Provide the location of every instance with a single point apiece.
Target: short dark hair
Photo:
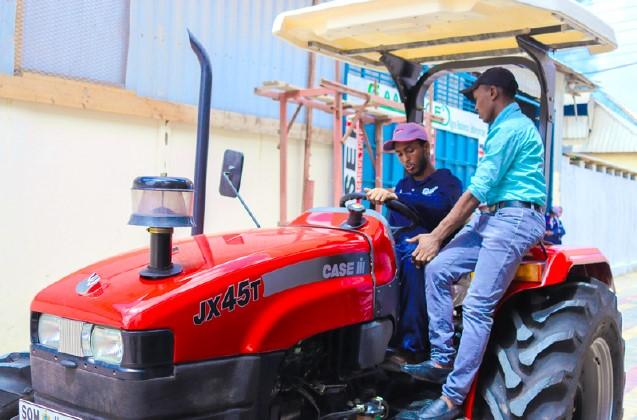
(508, 92)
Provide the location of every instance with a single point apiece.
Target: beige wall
(66, 191)
(624, 160)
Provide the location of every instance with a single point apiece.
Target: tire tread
(533, 360)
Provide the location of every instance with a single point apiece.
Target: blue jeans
(491, 245)
(412, 322)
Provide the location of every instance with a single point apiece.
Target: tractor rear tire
(555, 353)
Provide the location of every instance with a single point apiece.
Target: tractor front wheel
(555, 353)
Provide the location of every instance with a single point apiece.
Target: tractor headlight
(87, 329)
(100, 344)
(49, 331)
(107, 345)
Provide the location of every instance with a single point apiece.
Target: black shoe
(437, 410)
(417, 405)
(407, 415)
(396, 358)
(427, 371)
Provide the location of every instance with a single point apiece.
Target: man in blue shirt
(554, 227)
(431, 194)
(510, 181)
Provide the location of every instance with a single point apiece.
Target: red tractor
(293, 322)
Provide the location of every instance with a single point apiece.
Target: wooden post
(337, 145)
(431, 132)
(283, 159)
(378, 137)
(360, 139)
(308, 184)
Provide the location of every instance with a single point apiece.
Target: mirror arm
(245, 206)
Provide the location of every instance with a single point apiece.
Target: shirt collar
(507, 112)
(416, 182)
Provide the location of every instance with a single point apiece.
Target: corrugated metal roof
(238, 37)
(576, 129)
(615, 107)
(609, 132)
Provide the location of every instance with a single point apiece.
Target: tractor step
(15, 382)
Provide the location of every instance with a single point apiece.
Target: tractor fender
(587, 262)
(565, 262)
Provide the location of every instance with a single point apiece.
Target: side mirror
(231, 171)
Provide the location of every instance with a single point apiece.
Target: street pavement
(626, 286)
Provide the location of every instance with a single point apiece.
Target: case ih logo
(344, 269)
(316, 269)
(245, 292)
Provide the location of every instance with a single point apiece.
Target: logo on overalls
(429, 191)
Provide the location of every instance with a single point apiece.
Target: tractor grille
(71, 337)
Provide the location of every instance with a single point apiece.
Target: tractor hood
(239, 293)
(116, 294)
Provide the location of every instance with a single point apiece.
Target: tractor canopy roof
(358, 31)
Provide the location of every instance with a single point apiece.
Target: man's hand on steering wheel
(379, 195)
(391, 200)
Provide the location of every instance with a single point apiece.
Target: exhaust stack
(203, 132)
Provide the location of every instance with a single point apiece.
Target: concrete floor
(627, 293)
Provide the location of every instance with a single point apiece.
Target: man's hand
(429, 243)
(380, 195)
(428, 247)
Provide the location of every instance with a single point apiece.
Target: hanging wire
(621, 66)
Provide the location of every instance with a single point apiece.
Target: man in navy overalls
(431, 194)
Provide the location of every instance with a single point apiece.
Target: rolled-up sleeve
(499, 153)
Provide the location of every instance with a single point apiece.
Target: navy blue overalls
(432, 198)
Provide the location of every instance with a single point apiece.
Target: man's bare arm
(429, 243)
(458, 215)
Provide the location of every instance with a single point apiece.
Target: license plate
(32, 411)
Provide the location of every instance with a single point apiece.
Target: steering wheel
(394, 205)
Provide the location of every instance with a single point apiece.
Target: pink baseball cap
(405, 132)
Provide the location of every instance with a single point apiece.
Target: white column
(558, 134)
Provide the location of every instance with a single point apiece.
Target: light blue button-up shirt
(512, 167)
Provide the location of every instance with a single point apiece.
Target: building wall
(239, 40)
(602, 130)
(7, 31)
(624, 160)
(599, 211)
(143, 45)
(67, 185)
